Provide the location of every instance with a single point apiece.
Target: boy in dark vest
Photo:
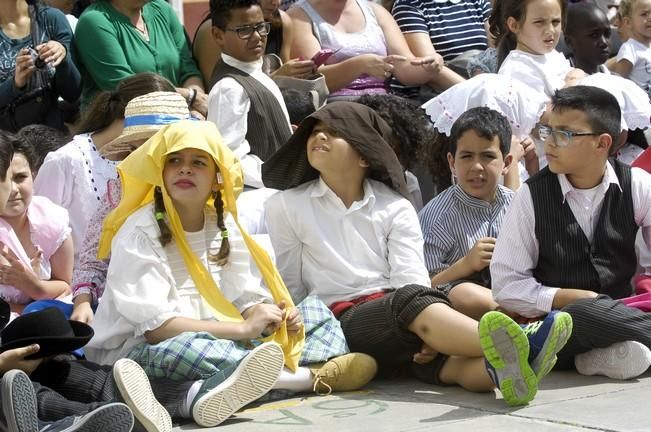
(568, 237)
(244, 103)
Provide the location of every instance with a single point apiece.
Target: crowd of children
(188, 267)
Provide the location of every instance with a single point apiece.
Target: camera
(38, 62)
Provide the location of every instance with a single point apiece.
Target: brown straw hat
(144, 116)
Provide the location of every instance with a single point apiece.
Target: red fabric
(338, 308)
(644, 160)
(641, 302)
(642, 284)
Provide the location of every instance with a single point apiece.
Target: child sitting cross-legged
(570, 242)
(180, 297)
(343, 229)
(460, 224)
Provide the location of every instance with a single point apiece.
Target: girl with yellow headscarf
(182, 297)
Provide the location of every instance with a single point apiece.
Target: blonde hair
(625, 9)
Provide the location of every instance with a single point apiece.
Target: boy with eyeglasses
(568, 238)
(244, 103)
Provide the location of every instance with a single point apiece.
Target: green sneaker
(546, 338)
(506, 349)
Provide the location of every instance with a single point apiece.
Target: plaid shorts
(193, 356)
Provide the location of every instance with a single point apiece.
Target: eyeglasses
(245, 32)
(560, 137)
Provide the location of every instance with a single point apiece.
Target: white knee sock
(302, 380)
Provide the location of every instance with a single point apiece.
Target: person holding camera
(36, 67)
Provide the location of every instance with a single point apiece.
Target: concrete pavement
(565, 402)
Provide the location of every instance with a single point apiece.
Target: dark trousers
(380, 327)
(601, 322)
(76, 387)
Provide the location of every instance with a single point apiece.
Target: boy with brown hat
(343, 230)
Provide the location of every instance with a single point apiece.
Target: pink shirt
(49, 226)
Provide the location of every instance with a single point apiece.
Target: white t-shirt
(639, 56)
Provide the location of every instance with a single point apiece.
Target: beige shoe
(135, 389)
(344, 373)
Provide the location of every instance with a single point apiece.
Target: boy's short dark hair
(487, 123)
(300, 104)
(43, 140)
(220, 10)
(6, 152)
(599, 106)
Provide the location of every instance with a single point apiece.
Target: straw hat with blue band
(144, 116)
(142, 171)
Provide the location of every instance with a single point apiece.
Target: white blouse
(544, 73)
(147, 284)
(75, 177)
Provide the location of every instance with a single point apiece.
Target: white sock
(184, 409)
(300, 381)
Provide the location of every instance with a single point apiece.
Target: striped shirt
(454, 27)
(453, 222)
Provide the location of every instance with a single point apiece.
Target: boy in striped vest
(569, 234)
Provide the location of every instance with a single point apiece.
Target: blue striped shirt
(453, 221)
(453, 28)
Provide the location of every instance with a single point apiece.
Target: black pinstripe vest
(267, 128)
(566, 258)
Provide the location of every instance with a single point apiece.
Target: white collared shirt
(517, 248)
(228, 108)
(342, 253)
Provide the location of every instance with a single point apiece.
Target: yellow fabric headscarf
(142, 170)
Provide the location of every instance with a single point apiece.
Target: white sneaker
(134, 386)
(253, 378)
(622, 360)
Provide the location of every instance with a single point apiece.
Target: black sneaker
(19, 402)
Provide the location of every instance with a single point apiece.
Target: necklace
(141, 26)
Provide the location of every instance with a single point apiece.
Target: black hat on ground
(50, 329)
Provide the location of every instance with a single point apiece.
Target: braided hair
(159, 213)
(221, 258)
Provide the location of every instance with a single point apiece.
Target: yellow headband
(142, 171)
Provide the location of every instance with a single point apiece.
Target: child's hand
(481, 253)
(262, 320)
(292, 317)
(82, 310)
(531, 161)
(425, 355)
(15, 359)
(573, 77)
(15, 273)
